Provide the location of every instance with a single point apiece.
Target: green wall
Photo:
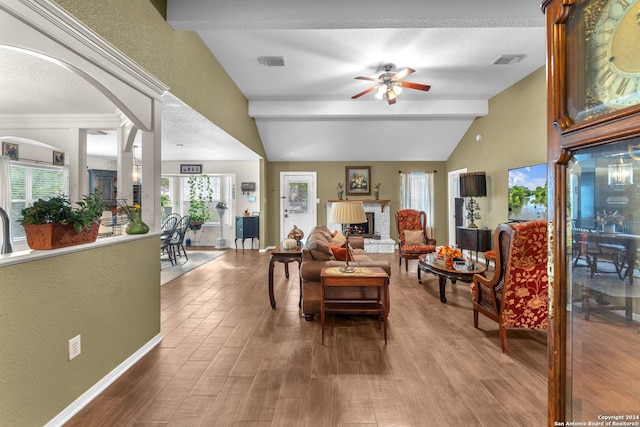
(332, 173)
(514, 134)
(109, 295)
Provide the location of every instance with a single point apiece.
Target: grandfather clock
(593, 78)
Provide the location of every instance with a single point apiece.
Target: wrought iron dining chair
(168, 228)
(176, 243)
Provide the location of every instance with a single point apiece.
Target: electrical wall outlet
(74, 347)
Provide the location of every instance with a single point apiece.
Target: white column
(152, 171)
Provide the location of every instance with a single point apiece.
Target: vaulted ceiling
(304, 109)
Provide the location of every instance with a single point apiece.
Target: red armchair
(413, 240)
(517, 296)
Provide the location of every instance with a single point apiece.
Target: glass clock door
(603, 284)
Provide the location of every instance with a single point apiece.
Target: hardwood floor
(228, 359)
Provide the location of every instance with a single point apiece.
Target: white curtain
(65, 180)
(417, 193)
(5, 191)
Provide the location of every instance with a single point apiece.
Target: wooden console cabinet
(474, 239)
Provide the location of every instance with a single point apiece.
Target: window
(28, 184)
(210, 188)
(417, 193)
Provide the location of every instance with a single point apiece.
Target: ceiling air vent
(271, 61)
(508, 59)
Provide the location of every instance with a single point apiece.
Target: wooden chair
(517, 294)
(410, 247)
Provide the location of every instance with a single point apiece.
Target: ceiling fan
(390, 84)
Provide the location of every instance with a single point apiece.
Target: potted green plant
(165, 201)
(199, 201)
(55, 223)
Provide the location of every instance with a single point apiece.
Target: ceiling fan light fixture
(381, 92)
(397, 89)
(391, 96)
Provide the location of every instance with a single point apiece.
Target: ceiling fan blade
(371, 89)
(372, 79)
(404, 73)
(417, 86)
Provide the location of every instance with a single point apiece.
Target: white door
(298, 202)
(454, 191)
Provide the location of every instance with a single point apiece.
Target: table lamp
(473, 184)
(347, 213)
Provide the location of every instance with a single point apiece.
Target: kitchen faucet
(6, 244)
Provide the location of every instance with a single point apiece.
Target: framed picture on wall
(11, 149)
(191, 169)
(58, 158)
(358, 179)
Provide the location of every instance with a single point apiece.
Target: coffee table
(284, 256)
(430, 263)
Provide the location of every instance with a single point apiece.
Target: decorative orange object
(55, 235)
(448, 251)
(448, 261)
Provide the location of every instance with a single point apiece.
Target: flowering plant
(609, 218)
(128, 210)
(449, 251)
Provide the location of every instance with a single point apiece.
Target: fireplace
(365, 229)
(378, 224)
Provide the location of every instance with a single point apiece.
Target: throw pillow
(339, 253)
(339, 239)
(413, 237)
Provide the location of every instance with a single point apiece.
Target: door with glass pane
(298, 202)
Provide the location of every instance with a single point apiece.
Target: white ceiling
(304, 111)
(34, 89)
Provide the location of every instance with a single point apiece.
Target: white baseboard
(101, 385)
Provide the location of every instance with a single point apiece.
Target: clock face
(613, 63)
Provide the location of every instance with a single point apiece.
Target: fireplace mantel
(381, 202)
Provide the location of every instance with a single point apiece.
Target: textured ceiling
(34, 87)
(304, 111)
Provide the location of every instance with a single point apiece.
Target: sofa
(317, 253)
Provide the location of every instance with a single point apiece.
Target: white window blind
(28, 184)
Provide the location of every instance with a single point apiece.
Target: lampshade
(348, 213)
(473, 184)
(620, 175)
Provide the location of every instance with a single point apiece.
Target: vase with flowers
(340, 190)
(134, 214)
(448, 253)
(609, 220)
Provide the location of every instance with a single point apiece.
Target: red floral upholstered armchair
(517, 296)
(413, 239)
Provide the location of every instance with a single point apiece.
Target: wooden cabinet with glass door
(593, 49)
